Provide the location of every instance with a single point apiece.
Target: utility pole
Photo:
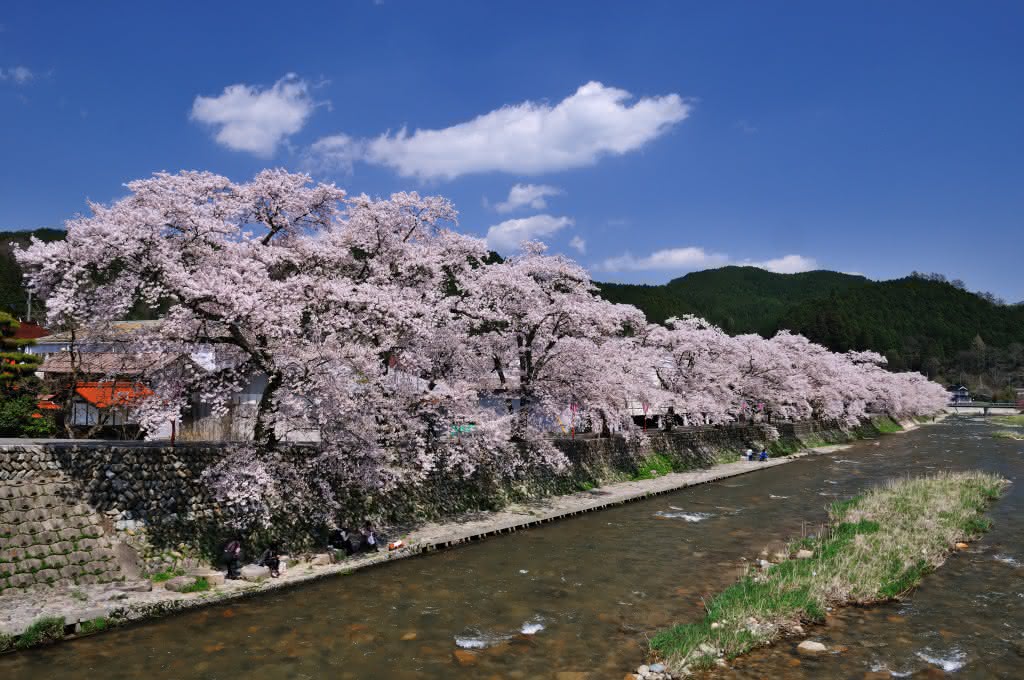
(29, 315)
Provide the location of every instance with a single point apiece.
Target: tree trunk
(521, 422)
(69, 400)
(264, 432)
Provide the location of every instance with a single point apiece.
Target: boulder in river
(465, 658)
(811, 647)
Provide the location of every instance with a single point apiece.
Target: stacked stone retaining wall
(154, 499)
(49, 536)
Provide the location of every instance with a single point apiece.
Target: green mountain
(919, 323)
(738, 299)
(12, 293)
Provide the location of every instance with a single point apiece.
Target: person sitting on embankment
(353, 542)
(232, 558)
(369, 536)
(341, 539)
(271, 558)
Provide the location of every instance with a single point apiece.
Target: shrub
(201, 585)
(654, 465)
(166, 575)
(94, 626)
(887, 425)
(16, 418)
(43, 631)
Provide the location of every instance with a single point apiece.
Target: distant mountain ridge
(919, 323)
(738, 299)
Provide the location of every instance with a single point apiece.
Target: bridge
(984, 408)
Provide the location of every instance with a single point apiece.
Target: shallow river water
(583, 595)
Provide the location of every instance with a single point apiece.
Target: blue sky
(871, 137)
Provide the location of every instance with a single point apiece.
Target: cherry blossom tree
(716, 378)
(550, 344)
(341, 307)
(374, 327)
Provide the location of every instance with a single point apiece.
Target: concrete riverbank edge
(122, 603)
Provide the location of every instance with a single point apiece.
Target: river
(580, 597)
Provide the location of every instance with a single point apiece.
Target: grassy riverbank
(1012, 421)
(877, 547)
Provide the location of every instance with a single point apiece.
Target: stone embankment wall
(150, 505)
(48, 535)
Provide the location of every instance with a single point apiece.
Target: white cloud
(578, 244)
(531, 138)
(669, 259)
(787, 264)
(507, 236)
(256, 120)
(532, 195)
(694, 259)
(336, 152)
(19, 74)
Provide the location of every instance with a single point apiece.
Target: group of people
(751, 456)
(366, 539)
(352, 542)
(232, 558)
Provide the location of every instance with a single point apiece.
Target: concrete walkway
(141, 600)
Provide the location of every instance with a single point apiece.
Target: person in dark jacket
(370, 541)
(233, 558)
(344, 539)
(271, 558)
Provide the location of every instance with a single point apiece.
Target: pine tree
(16, 367)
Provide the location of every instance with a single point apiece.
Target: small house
(958, 394)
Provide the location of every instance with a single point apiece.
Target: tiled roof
(117, 330)
(105, 394)
(28, 331)
(105, 363)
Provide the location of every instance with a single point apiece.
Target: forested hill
(737, 299)
(12, 294)
(884, 315)
(919, 323)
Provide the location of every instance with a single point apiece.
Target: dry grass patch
(877, 547)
